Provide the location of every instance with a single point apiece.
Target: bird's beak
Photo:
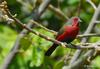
(80, 20)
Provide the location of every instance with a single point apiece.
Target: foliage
(33, 47)
(7, 38)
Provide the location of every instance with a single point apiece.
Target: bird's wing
(61, 31)
(68, 23)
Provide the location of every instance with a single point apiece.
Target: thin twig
(89, 29)
(55, 33)
(43, 36)
(58, 12)
(92, 4)
(79, 7)
(88, 35)
(48, 38)
(16, 46)
(38, 24)
(79, 61)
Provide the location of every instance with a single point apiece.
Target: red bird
(66, 34)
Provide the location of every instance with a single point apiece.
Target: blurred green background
(31, 53)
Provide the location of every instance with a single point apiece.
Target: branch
(80, 61)
(58, 12)
(89, 29)
(55, 33)
(16, 46)
(12, 54)
(88, 35)
(98, 22)
(38, 24)
(41, 35)
(42, 7)
(92, 4)
(48, 38)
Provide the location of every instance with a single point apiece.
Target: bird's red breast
(70, 32)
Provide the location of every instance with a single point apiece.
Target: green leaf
(7, 39)
(72, 1)
(94, 39)
(37, 56)
(59, 64)
(96, 63)
(26, 42)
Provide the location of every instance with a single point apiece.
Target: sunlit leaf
(94, 39)
(26, 42)
(37, 56)
(7, 39)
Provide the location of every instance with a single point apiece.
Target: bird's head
(75, 21)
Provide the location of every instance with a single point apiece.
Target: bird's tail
(51, 49)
